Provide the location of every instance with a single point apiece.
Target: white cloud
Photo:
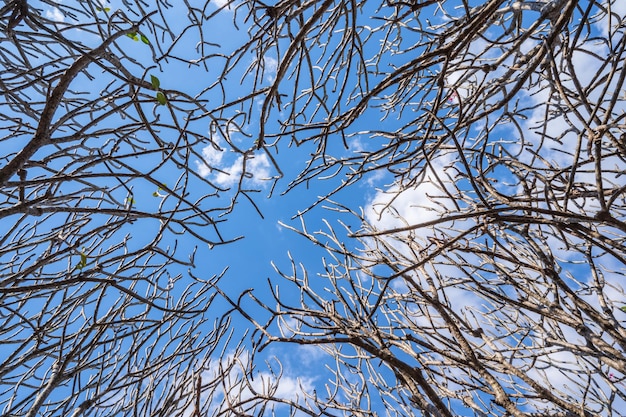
(212, 157)
(225, 172)
(213, 153)
(463, 83)
(259, 166)
(55, 14)
(221, 3)
(238, 388)
(556, 140)
(310, 354)
(270, 66)
(357, 145)
(403, 208)
(287, 387)
(288, 326)
(257, 170)
(398, 206)
(618, 13)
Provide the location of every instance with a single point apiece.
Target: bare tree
(483, 277)
(103, 210)
(486, 277)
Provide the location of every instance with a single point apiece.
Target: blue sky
(249, 260)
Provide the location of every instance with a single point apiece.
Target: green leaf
(160, 97)
(624, 309)
(156, 193)
(156, 83)
(133, 36)
(144, 39)
(103, 9)
(83, 260)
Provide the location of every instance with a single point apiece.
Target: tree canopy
(458, 233)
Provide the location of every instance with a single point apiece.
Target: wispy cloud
(270, 66)
(237, 388)
(256, 170)
(618, 13)
(225, 4)
(54, 14)
(218, 166)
